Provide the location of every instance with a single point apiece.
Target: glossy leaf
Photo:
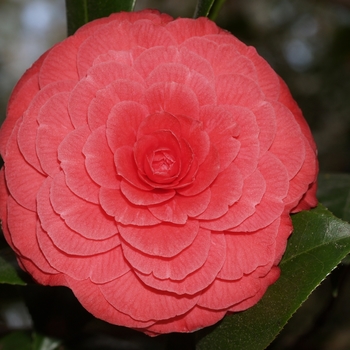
(214, 12)
(10, 272)
(319, 242)
(203, 8)
(334, 193)
(80, 12)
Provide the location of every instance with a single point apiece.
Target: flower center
(162, 162)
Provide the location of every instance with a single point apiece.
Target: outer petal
(54, 125)
(100, 268)
(22, 95)
(23, 188)
(27, 134)
(195, 319)
(137, 300)
(224, 294)
(22, 224)
(92, 299)
(246, 251)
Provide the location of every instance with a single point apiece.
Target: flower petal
(73, 164)
(115, 204)
(197, 280)
(100, 268)
(23, 188)
(63, 237)
(178, 209)
(54, 125)
(22, 224)
(175, 268)
(99, 160)
(86, 218)
(164, 240)
(137, 300)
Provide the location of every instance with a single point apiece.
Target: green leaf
(214, 12)
(334, 193)
(16, 341)
(80, 12)
(208, 8)
(319, 242)
(41, 342)
(10, 272)
(203, 8)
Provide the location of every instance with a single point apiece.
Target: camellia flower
(151, 165)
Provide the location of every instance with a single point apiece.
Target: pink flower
(151, 165)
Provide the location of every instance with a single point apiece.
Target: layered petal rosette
(151, 165)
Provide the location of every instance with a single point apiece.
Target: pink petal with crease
(123, 123)
(175, 268)
(100, 268)
(27, 134)
(116, 205)
(137, 300)
(164, 240)
(253, 190)
(63, 237)
(90, 296)
(180, 208)
(100, 106)
(86, 218)
(225, 191)
(99, 160)
(73, 164)
(22, 223)
(54, 125)
(23, 188)
(197, 280)
(141, 197)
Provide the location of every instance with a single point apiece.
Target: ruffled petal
(99, 268)
(164, 240)
(116, 205)
(100, 107)
(225, 191)
(73, 164)
(180, 208)
(22, 223)
(27, 134)
(62, 236)
(90, 296)
(197, 280)
(23, 188)
(87, 218)
(176, 268)
(247, 251)
(137, 300)
(54, 125)
(99, 160)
